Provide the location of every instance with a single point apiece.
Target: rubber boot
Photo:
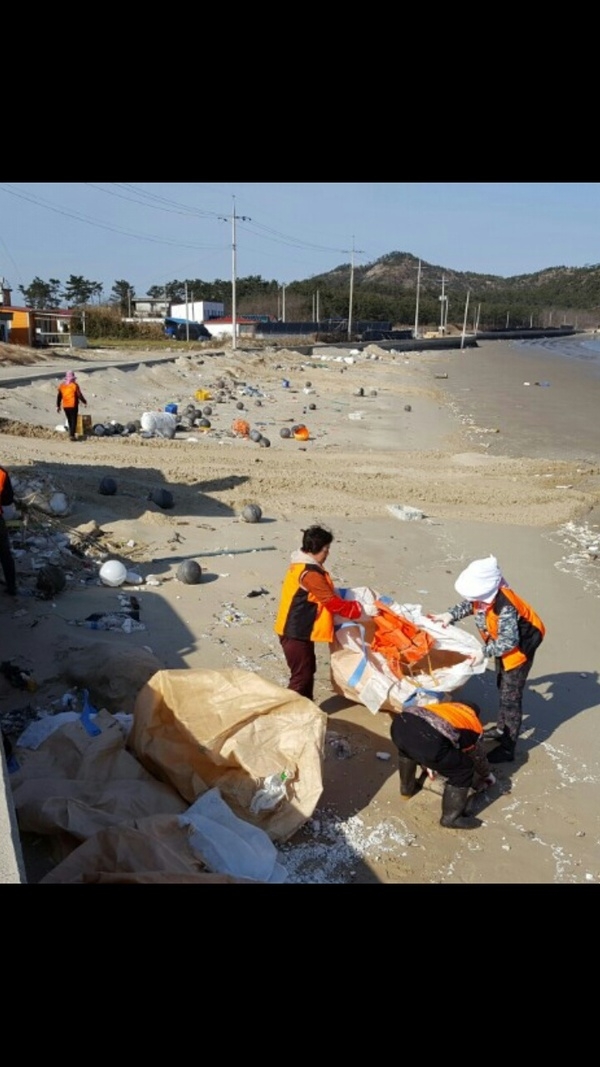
(505, 751)
(454, 801)
(408, 775)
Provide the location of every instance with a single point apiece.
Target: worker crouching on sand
(511, 631)
(445, 737)
(308, 602)
(68, 397)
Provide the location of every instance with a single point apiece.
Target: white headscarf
(481, 580)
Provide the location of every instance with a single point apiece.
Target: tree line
(387, 294)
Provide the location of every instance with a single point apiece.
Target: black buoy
(162, 497)
(107, 487)
(189, 572)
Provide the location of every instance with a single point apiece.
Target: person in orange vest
(68, 397)
(308, 603)
(6, 557)
(445, 737)
(511, 631)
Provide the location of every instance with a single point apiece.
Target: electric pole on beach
(351, 288)
(416, 331)
(225, 218)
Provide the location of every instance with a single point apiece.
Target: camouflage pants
(511, 685)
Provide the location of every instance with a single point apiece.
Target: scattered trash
(270, 794)
(189, 572)
(383, 755)
(17, 677)
(407, 407)
(50, 580)
(162, 498)
(113, 573)
(257, 592)
(404, 512)
(252, 513)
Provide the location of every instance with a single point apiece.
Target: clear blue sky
(148, 233)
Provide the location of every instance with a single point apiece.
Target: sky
(150, 233)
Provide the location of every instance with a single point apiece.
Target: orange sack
(400, 641)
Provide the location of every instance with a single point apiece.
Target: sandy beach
(498, 447)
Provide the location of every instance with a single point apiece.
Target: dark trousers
(511, 685)
(420, 741)
(71, 417)
(301, 659)
(6, 558)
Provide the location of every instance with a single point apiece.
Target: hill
(387, 289)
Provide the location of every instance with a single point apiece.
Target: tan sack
(200, 729)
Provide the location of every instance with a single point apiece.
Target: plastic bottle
(272, 791)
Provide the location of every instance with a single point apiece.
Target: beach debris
(356, 415)
(19, 678)
(383, 755)
(189, 572)
(241, 427)
(360, 391)
(255, 435)
(312, 407)
(162, 498)
(112, 573)
(407, 407)
(301, 433)
(257, 592)
(50, 580)
(264, 442)
(251, 513)
(442, 376)
(107, 487)
(159, 424)
(285, 431)
(405, 512)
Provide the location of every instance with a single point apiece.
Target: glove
(445, 618)
(485, 783)
(476, 658)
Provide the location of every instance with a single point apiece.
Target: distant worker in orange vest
(68, 396)
(308, 603)
(511, 631)
(445, 737)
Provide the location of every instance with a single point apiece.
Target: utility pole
(187, 316)
(443, 300)
(242, 218)
(416, 331)
(351, 288)
(283, 289)
(464, 329)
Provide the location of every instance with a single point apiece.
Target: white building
(198, 310)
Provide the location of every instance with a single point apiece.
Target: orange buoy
(301, 433)
(241, 426)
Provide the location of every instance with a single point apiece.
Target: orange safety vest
(531, 628)
(5, 488)
(69, 393)
(458, 715)
(400, 641)
(300, 615)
